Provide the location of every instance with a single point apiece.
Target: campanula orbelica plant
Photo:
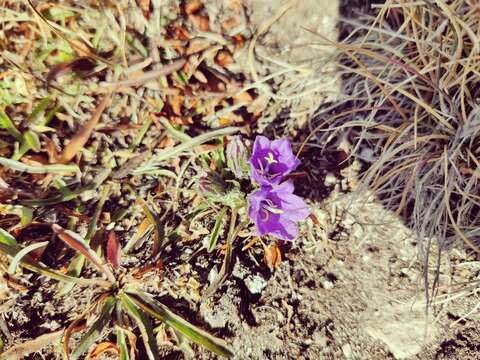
(273, 208)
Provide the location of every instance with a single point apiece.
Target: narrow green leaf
(176, 134)
(24, 213)
(184, 345)
(7, 124)
(158, 230)
(32, 140)
(227, 260)
(164, 314)
(144, 325)
(43, 169)
(6, 238)
(66, 195)
(24, 147)
(165, 154)
(76, 266)
(122, 343)
(22, 253)
(39, 110)
(95, 330)
(141, 134)
(35, 266)
(216, 230)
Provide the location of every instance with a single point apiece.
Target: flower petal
(294, 207)
(285, 229)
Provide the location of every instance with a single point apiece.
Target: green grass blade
(22, 253)
(24, 213)
(95, 330)
(35, 266)
(39, 110)
(7, 124)
(6, 238)
(24, 147)
(193, 333)
(184, 146)
(122, 343)
(158, 230)
(176, 134)
(144, 325)
(32, 140)
(216, 230)
(76, 266)
(42, 169)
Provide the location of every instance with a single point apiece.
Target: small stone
(255, 284)
(327, 284)
(347, 350)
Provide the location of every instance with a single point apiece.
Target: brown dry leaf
(229, 24)
(272, 256)
(235, 5)
(22, 350)
(224, 58)
(79, 65)
(200, 21)
(200, 77)
(193, 6)
(198, 45)
(145, 7)
(166, 143)
(103, 347)
(113, 250)
(176, 102)
(242, 98)
(51, 150)
(238, 41)
(82, 136)
(179, 33)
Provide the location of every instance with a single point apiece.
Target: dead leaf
(193, 6)
(80, 65)
(103, 347)
(22, 350)
(238, 41)
(113, 250)
(200, 77)
(200, 21)
(272, 256)
(145, 7)
(224, 58)
(229, 24)
(82, 136)
(176, 102)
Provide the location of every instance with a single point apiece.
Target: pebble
(327, 284)
(347, 350)
(255, 284)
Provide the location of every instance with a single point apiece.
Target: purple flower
(276, 211)
(272, 160)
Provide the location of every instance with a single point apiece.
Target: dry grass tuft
(411, 114)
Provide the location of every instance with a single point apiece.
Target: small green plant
(119, 301)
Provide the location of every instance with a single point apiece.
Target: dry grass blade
(82, 136)
(150, 75)
(23, 350)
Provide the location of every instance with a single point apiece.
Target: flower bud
(237, 157)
